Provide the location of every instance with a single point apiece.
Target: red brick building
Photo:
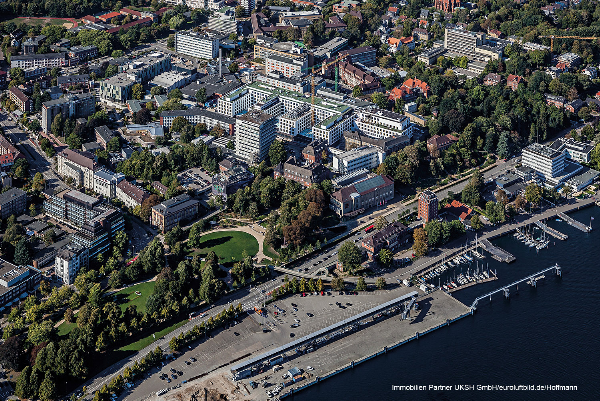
(437, 143)
(513, 81)
(427, 206)
(447, 5)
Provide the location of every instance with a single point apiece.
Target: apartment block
(286, 65)
(196, 44)
(70, 106)
(106, 181)
(80, 166)
(21, 100)
(130, 195)
(13, 201)
(69, 261)
(49, 60)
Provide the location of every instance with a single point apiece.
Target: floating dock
(497, 253)
(575, 223)
(551, 231)
(491, 278)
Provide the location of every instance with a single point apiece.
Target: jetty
(472, 283)
(531, 280)
(574, 223)
(551, 231)
(497, 253)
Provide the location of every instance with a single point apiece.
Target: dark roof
(357, 50)
(137, 194)
(382, 235)
(10, 195)
(363, 187)
(175, 204)
(39, 56)
(104, 132)
(160, 187)
(217, 88)
(197, 111)
(19, 94)
(85, 159)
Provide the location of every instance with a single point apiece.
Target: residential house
(513, 81)
(492, 79)
(437, 143)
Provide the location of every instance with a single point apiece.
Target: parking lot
(195, 179)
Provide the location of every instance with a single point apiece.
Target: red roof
(110, 15)
(399, 93)
(90, 18)
(413, 83)
(459, 209)
(132, 12)
(130, 24)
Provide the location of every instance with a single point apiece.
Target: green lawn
(39, 22)
(65, 328)
(128, 296)
(269, 252)
(228, 245)
(144, 342)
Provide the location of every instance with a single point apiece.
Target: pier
(551, 231)
(531, 280)
(571, 221)
(491, 278)
(497, 253)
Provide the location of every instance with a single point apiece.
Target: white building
(383, 123)
(130, 195)
(196, 116)
(287, 65)
(225, 25)
(547, 162)
(248, 5)
(364, 157)
(255, 132)
(80, 166)
(69, 261)
(105, 183)
(574, 150)
(171, 80)
(197, 45)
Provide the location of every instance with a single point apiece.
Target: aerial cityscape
(227, 200)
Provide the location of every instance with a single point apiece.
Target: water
(543, 336)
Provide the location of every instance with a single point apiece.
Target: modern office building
(362, 55)
(294, 84)
(12, 201)
(547, 162)
(356, 198)
(287, 65)
(198, 115)
(223, 24)
(16, 282)
(330, 48)
(255, 132)
(71, 207)
(171, 80)
(427, 206)
(96, 234)
(69, 261)
(169, 213)
(70, 106)
(196, 44)
(368, 157)
(383, 124)
(356, 139)
(474, 45)
(578, 151)
(117, 88)
(78, 165)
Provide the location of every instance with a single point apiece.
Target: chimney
(220, 72)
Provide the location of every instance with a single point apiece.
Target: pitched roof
(135, 193)
(363, 187)
(85, 159)
(441, 141)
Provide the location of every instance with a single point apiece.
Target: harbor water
(544, 336)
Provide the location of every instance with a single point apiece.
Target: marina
(497, 253)
(551, 231)
(571, 221)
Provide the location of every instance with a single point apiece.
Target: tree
(22, 255)
(175, 94)
(157, 90)
(113, 145)
(11, 351)
(142, 116)
(277, 153)
(503, 150)
(381, 222)
(386, 257)
(137, 92)
(47, 390)
(361, 285)
(201, 95)
(57, 124)
(420, 247)
(178, 124)
(338, 284)
(476, 223)
(380, 283)
(357, 91)
(520, 202)
(234, 67)
(240, 11)
(349, 256)
(533, 194)
(23, 388)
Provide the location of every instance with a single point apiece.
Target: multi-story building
(389, 237)
(96, 234)
(78, 54)
(21, 100)
(196, 44)
(427, 206)
(223, 24)
(80, 166)
(421, 34)
(103, 135)
(387, 145)
(295, 122)
(354, 199)
(286, 65)
(358, 158)
(294, 84)
(169, 213)
(65, 82)
(330, 48)
(227, 182)
(304, 174)
(447, 5)
(70, 106)
(263, 49)
(172, 79)
(383, 124)
(570, 60)
(353, 76)
(49, 60)
(71, 207)
(69, 261)
(8, 153)
(313, 152)
(361, 55)
(248, 5)
(117, 88)
(105, 183)
(16, 281)
(196, 116)
(473, 45)
(31, 45)
(130, 195)
(548, 163)
(430, 56)
(2, 79)
(13, 201)
(513, 81)
(145, 68)
(255, 132)
(578, 151)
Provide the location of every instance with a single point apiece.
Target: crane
(552, 37)
(324, 67)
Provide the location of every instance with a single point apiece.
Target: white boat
(485, 273)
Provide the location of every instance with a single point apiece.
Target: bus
(370, 228)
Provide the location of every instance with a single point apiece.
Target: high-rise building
(69, 261)
(547, 162)
(68, 106)
(248, 5)
(255, 132)
(196, 44)
(427, 206)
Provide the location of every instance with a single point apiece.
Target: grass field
(39, 22)
(144, 342)
(128, 296)
(65, 328)
(270, 252)
(228, 245)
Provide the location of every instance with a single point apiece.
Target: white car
(309, 368)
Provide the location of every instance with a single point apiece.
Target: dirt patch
(68, 25)
(214, 387)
